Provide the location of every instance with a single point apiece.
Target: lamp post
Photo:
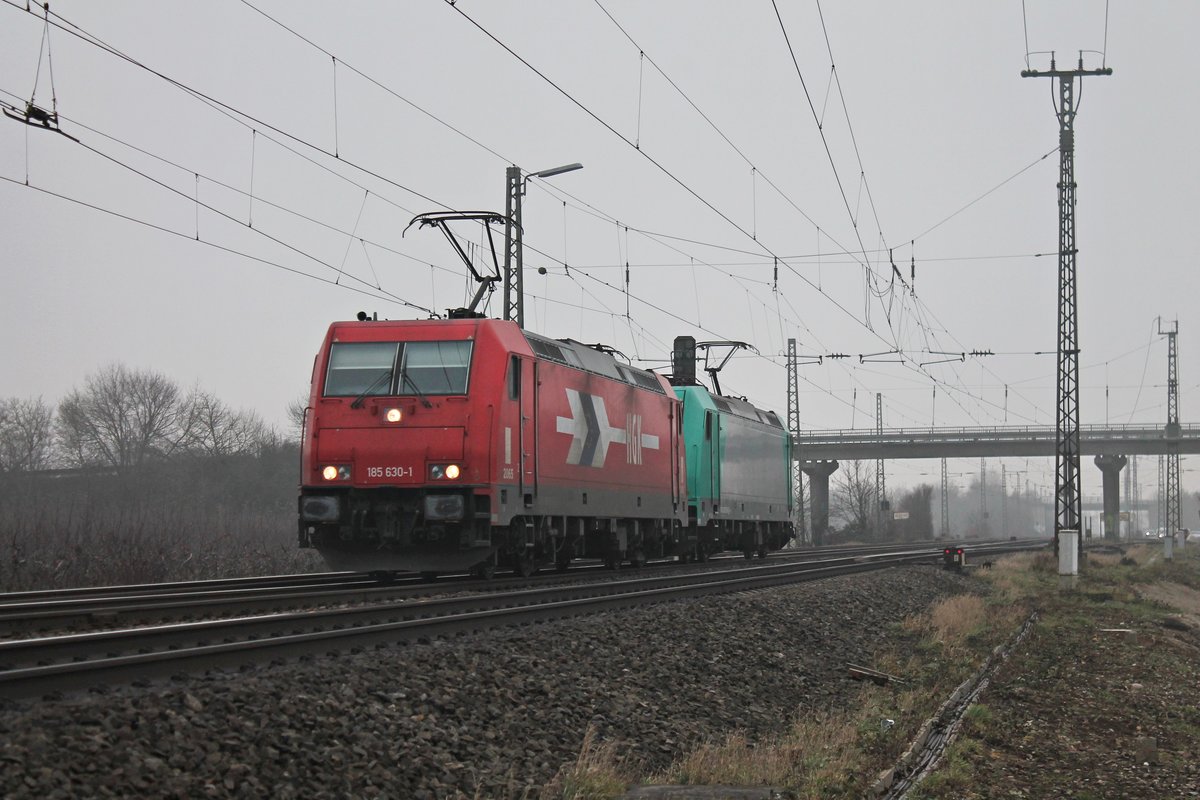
(514, 260)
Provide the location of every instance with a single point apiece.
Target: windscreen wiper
(375, 384)
(404, 378)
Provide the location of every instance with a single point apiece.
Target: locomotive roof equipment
(441, 220)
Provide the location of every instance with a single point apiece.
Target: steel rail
(47, 610)
(257, 582)
(211, 584)
(184, 647)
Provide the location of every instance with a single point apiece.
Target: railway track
(41, 665)
(48, 611)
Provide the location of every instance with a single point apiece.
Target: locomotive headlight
(448, 472)
(393, 415)
(336, 473)
(452, 471)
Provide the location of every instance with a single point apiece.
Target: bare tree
(26, 434)
(122, 417)
(853, 498)
(918, 503)
(296, 411)
(213, 428)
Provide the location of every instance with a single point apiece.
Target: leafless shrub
(196, 517)
(26, 434)
(297, 410)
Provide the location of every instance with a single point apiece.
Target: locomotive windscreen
(397, 368)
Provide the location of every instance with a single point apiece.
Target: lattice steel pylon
(793, 423)
(881, 503)
(1067, 493)
(1173, 516)
(514, 273)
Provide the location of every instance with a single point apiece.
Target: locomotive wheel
(562, 565)
(613, 563)
(748, 553)
(637, 559)
(524, 566)
(485, 570)
(428, 576)
(762, 551)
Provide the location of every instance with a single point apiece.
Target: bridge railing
(997, 433)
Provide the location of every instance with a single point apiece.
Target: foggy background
(225, 234)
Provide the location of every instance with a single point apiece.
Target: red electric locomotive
(447, 445)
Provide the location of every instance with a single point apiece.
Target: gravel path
(488, 716)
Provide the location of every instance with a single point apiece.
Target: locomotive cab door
(527, 435)
(712, 433)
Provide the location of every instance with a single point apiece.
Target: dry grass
(819, 752)
(1018, 577)
(949, 622)
(1104, 559)
(597, 774)
(1143, 554)
(956, 618)
(822, 755)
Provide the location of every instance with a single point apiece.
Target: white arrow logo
(591, 433)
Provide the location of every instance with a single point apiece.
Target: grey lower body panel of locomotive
(417, 530)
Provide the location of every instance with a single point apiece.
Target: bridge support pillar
(1110, 470)
(818, 473)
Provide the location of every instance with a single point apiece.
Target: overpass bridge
(819, 451)
(998, 442)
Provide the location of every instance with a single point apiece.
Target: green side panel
(738, 465)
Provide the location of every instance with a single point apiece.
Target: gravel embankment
(488, 716)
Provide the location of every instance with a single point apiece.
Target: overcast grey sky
(931, 114)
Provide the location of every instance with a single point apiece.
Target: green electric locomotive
(739, 477)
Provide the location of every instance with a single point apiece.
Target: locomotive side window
(360, 368)
(514, 378)
(435, 368)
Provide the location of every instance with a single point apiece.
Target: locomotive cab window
(360, 368)
(369, 368)
(514, 378)
(435, 368)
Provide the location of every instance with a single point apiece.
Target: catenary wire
(405, 188)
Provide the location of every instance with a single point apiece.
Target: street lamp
(549, 173)
(514, 251)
